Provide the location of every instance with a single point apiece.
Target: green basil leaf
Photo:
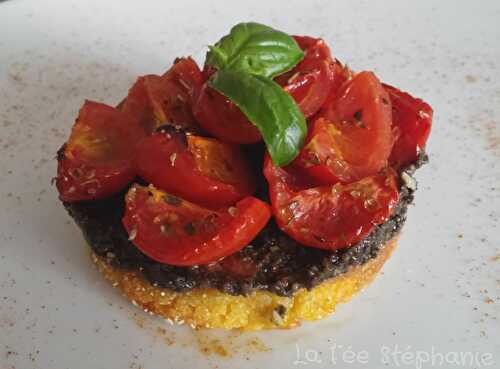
(257, 49)
(267, 106)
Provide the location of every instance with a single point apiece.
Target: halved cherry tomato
(330, 217)
(352, 138)
(199, 169)
(239, 266)
(309, 84)
(174, 231)
(412, 119)
(310, 81)
(223, 119)
(341, 74)
(167, 99)
(97, 160)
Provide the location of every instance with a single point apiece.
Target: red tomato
(310, 81)
(159, 100)
(174, 231)
(199, 169)
(412, 119)
(97, 160)
(353, 137)
(220, 117)
(314, 48)
(309, 84)
(341, 74)
(330, 217)
(242, 267)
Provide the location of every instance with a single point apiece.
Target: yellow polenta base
(212, 308)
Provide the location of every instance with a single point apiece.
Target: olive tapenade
(282, 265)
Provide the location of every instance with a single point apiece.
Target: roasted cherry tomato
(309, 84)
(199, 169)
(239, 266)
(330, 217)
(412, 120)
(174, 231)
(341, 74)
(167, 99)
(310, 81)
(353, 137)
(223, 119)
(97, 160)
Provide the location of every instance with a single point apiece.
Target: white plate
(438, 295)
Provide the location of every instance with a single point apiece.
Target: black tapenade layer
(282, 265)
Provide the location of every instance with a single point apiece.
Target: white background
(440, 290)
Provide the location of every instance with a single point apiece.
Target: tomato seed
(232, 211)
(370, 204)
(172, 158)
(355, 193)
(165, 228)
(133, 234)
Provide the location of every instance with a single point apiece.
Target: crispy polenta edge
(211, 308)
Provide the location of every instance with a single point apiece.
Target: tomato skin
(310, 81)
(412, 118)
(341, 74)
(315, 48)
(167, 99)
(330, 217)
(173, 231)
(352, 137)
(223, 119)
(78, 181)
(198, 169)
(186, 72)
(97, 160)
(239, 266)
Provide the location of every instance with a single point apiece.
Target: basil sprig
(257, 49)
(247, 59)
(272, 110)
